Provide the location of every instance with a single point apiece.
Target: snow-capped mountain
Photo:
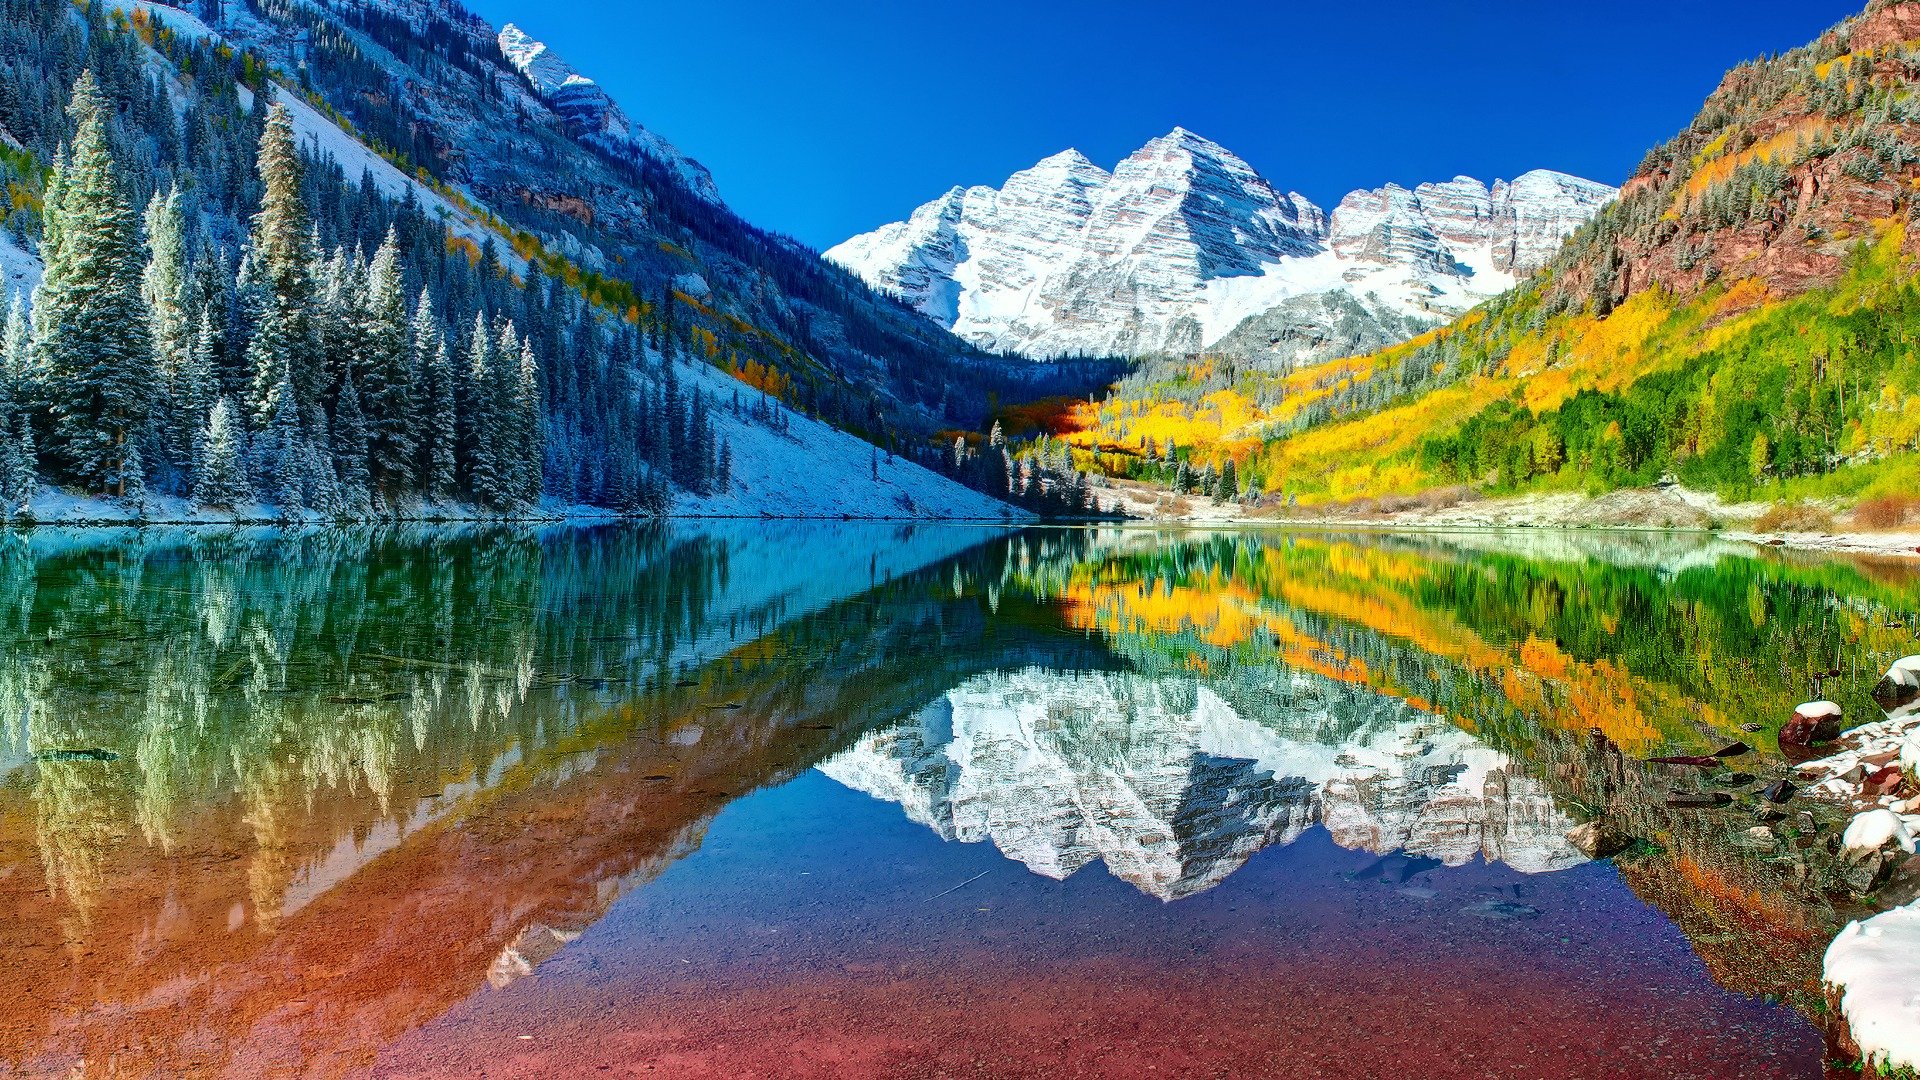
(591, 112)
(1172, 788)
(1183, 242)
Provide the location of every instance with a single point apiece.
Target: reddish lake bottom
(818, 933)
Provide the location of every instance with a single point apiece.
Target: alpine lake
(833, 799)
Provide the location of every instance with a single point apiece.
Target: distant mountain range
(1184, 246)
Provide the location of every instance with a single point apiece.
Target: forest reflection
(260, 788)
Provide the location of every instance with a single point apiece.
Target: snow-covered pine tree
(164, 287)
(281, 451)
(441, 431)
(18, 466)
(221, 480)
(485, 482)
(14, 341)
(510, 441)
(90, 324)
(195, 388)
(386, 390)
(529, 426)
(350, 442)
(284, 350)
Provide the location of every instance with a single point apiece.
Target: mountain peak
(590, 112)
(1070, 157)
(1192, 143)
(1183, 241)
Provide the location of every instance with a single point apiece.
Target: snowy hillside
(815, 470)
(529, 262)
(1183, 242)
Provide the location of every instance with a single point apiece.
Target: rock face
(590, 112)
(1183, 241)
(1174, 790)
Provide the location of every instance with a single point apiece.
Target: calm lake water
(773, 799)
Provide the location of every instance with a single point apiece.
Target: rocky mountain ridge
(1184, 241)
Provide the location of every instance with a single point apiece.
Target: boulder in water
(1900, 688)
(1812, 723)
(1599, 839)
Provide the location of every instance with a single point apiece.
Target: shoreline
(1660, 511)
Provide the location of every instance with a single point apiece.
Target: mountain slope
(1738, 319)
(516, 203)
(1183, 242)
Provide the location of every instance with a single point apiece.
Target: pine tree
(481, 413)
(14, 343)
(386, 378)
(91, 330)
(164, 286)
(509, 440)
(195, 389)
(529, 426)
(284, 452)
(442, 477)
(18, 469)
(284, 350)
(1228, 487)
(220, 480)
(350, 443)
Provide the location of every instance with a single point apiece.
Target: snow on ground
(1229, 301)
(19, 271)
(1875, 966)
(818, 471)
(315, 130)
(812, 471)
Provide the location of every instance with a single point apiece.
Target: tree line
(154, 359)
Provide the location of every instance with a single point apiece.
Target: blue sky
(826, 119)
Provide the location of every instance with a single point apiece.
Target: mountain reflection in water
(1174, 788)
(272, 801)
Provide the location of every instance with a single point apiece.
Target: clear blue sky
(828, 118)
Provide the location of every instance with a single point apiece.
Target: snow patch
(814, 470)
(1872, 830)
(1875, 965)
(316, 132)
(19, 272)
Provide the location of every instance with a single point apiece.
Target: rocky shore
(1872, 969)
(1663, 508)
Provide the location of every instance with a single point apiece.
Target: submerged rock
(1698, 761)
(1780, 791)
(91, 753)
(1500, 910)
(1599, 839)
(1698, 800)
